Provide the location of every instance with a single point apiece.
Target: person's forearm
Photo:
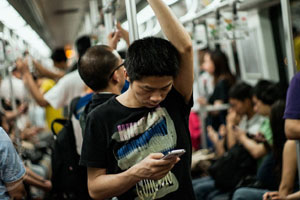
(292, 129)
(107, 186)
(171, 26)
(11, 115)
(230, 139)
(34, 182)
(289, 168)
(255, 149)
(294, 196)
(34, 175)
(220, 147)
(34, 90)
(47, 73)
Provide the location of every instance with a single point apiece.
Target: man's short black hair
(59, 55)
(82, 44)
(96, 65)
(260, 87)
(240, 91)
(272, 93)
(151, 57)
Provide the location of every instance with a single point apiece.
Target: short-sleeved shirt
(66, 89)
(266, 130)
(220, 92)
(117, 137)
(11, 167)
(292, 109)
(253, 125)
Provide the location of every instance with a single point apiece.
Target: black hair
(260, 87)
(82, 44)
(279, 138)
(272, 93)
(151, 57)
(240, 91)
(96, 65)
(59, 55)
(222, 70)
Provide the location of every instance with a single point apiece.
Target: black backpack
(69, 180)
(232, 167)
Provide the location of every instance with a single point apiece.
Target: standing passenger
(12, 170)
(292, 110)
(217, 65)
(126, 136)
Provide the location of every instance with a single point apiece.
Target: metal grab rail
(132, 20)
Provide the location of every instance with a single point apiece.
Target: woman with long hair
(217, 65)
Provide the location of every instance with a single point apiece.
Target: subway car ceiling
(60, 22)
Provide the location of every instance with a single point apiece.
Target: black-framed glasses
(112, 73)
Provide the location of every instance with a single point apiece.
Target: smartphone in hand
(173, 153)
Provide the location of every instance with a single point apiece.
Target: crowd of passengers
(254, 154)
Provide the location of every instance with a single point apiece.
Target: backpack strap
(73, 105)
(58, 121)
(63, 122)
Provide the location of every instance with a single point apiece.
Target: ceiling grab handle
(289, 43)
(132, 20)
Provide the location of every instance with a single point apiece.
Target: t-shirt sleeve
(11, 166)
(56, 96)
(292, 109)
(266, 130)
(95, 142)
(176, 99)
(47, 85)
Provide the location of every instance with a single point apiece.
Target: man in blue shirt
(12, 170)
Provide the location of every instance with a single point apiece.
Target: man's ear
(126, 76)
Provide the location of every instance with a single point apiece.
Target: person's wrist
(132, 174)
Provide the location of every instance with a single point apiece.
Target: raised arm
(47, 73)
(180, 38)
(31, 85)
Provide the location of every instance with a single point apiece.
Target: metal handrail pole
(132, 20)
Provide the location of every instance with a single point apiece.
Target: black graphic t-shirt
(117, 137)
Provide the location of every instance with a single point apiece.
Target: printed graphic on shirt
(151, 134)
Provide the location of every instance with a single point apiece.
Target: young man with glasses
(126, 136)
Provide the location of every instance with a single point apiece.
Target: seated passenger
(288, 182)
(242, 115)
(269, 173)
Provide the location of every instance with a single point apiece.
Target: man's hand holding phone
(173, 153)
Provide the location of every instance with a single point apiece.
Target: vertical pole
(132, 21)
(108, 19)
(288, 36)
(289, 43)
(94, 13)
